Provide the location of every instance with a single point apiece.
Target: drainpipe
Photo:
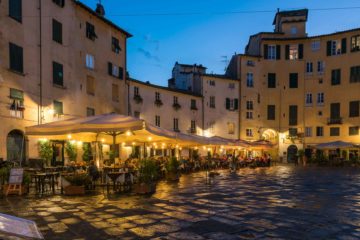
(40, 106)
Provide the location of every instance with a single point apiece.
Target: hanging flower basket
(158, 103)
(138, 99)
(176, 106)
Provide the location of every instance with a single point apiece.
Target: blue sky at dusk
(209, 35)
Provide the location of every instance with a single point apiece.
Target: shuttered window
(58, 107)
(57, 31)
(60, 3)
(90, 112)
(293, 112)
(335, 110)
(90, 31)
(16, 58)
(271, 80)
(334, 131)
(336, 77)
(354, 109)
(58, 74)
(293, 80)
(15, 10)
(353, 131)
(271, 112)
(355, 74)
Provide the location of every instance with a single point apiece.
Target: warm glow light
(204, 147)
(180, 148)
(196, 148)
(123, 144)
(209, 149)
(69, 136)
(51, 111)
(128, 133)
(73, 141)
(149, 138)
(103, 140)
(43, 139)
(79, 143)
(133, 143)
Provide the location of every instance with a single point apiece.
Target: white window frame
(315, 45)
(308, 99)
(294, 52)
(308, 131)
(271, 52)
(249, 132)
(212, 102)
(320, 67)
(250, 79)
(309, 68)
(249, 115)
(90, 61)
(335, 47)
(320, 98)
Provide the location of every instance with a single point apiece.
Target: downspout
(127, 81)
(40, 106)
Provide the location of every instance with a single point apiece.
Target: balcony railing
(331, 121)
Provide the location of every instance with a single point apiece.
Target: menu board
(14, 226)
(16, 176)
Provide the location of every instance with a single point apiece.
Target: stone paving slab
(281, 202)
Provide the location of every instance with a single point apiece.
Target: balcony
(331, 121)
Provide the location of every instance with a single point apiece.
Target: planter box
(144, 188)
(74, 190)
(173, 177)
(24, 189)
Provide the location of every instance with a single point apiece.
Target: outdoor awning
(335, 145)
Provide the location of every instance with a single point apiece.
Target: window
(157, 120)
(136, 91)
(16, 58)
(231, 128)
(58, 107)
(232, 104)
(320, 98)
(334, 131)
(271, 80)
(136, 114)
(309, 67)
(271, 52)
(90, 31)
(115, 92)
(249, 80)
(308, 99)
(249, 115)
(293, 112)
(293, 52)
(293, 80)
(353, 131)
(293, 132)
(335, 111)
(176, 124)
(90, 61)
(354, 109)
(271, 112)
(60, 3)
(232, 85)
(315, 45)
(212, 102)
(335, 77)
(157, 96)
(193, 104)
(355, 74)
(58, 74)
(15, 10)
(319, 131)
(293, 30)
(90, 112)
(320, 67)
(90, 85)
(250, 63)
(115, 46)
(308, 131)
(249, 105)
(115, 71)
(355, 43)
(336, 47)
(17, 103)
(57, 31)
(212, 83)
(193, 126)
(249, 132)
(212, 127)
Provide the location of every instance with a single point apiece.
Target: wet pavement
(281, 202)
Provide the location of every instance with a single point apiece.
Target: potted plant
(172, 169)
(46, 151)
(176, 106)
(148, 173)
(71, 151)
(158, 102)
(77, 184)
(87, 155)
(138, 99)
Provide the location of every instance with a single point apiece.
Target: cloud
(148, 54)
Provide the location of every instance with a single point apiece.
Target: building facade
(59, 59)
(296, 90)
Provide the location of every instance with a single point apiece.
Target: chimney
(100, 10)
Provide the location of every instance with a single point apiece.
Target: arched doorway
(292, 154)
(15, 146)
(269, 135)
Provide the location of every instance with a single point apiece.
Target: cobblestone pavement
(281, 202)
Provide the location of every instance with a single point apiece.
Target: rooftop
(292, 13)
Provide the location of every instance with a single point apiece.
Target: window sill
(16, 72)
(59, 86)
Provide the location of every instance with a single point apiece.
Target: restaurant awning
(335, 145)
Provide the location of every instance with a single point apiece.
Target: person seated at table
(94, 173)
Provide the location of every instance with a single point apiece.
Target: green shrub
(46, 151)
(78, 179)
(71, 150)
(148, 171)
(172, 166)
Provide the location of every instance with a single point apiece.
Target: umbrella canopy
(335, 145)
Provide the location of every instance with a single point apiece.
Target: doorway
(292, 154)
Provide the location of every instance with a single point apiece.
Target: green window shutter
(228, 103)
(236, 104)
(110, 68)
(301, 51)
(121, 73)
(16, 58)
(16, 94)
(266, 51)
(15, 10)
(287, 52)
(328, 48)
(58, 78)
(57, 31)
(343, 45)
(293, 109)
(278, 52)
